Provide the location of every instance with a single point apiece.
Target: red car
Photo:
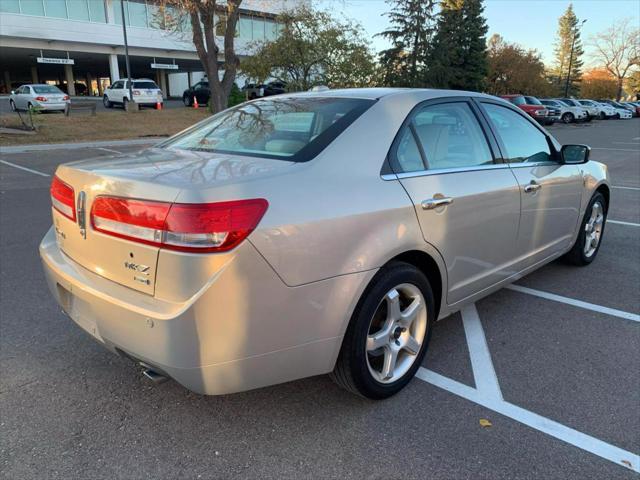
(536, 110)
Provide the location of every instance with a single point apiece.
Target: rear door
(551, 192)
(467, 201)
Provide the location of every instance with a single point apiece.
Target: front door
(551, 192)
(468, 205)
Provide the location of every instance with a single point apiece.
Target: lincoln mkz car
(315, 233)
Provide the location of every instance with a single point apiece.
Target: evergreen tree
(458, 57)
(412, 28)
(568, 28)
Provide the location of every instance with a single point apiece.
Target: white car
(606, 110)
(41, 97)
(567, 114)
(574, 113)
(145, 93)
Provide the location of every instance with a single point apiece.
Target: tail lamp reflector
(187, 227)
(63, 198)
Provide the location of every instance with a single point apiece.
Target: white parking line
(483, 372)
(486, 380)
(625, 188)
(4, 162)
(619, 222)
(576, 303)
(616, 149)
(538, 422)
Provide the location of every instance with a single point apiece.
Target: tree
(313, 48)
(458, 56)
(617, 49)
(598, 83)
(206, 18)
(412, 28)
(568, 52)
(512, 69)
(633, 84)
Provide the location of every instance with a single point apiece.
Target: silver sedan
(41, 97)
(315, 233)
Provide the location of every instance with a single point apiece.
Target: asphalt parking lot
(168, 103)
(553, 366)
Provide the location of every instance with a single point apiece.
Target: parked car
(635, 106)
(575, 112)
(533, 108)
(40, 96)
(622, 111)
(572, 102)
(604, 110)
(264, 90)
(564, 113)
(200, 91)
(145, 93)
(210, 259)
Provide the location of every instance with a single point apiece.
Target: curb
(74, 146)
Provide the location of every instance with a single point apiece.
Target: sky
(531, 23)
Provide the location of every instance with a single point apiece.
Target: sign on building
(59, 61)
(165, 66)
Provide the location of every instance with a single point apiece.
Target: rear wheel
(587, 244)
(125, 104)
(568, 117)
(12, 105)
(106, 102)
(602, 116)
(186, 100)
(388, 334)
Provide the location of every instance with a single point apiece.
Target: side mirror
(575, 154)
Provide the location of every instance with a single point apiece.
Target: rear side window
(289, 128)
(517, 100)
(145, 84)
(523, 141)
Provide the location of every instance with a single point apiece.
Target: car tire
(591, 227)
(13, 106)
(568, 117)
(125, 104)
(106, 102)
(186, 100)
(602, 116)
(364, 356)
(617, 116)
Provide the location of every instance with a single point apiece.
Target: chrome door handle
(436, 202)
(532, 187)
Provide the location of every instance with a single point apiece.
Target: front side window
(294, 129)
(523, 141)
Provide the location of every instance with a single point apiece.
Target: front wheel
(568, 117)
(587, 244)
(602, 116)
(106, 102)
(186, 100)
(388, 335)
(12, 105)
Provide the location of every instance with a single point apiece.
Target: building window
(258, 28)
(97, 12)
(245, 27)
(32, 8)
(271, 30)
(137, 13)
(78, 10)
(55, 8)
(10, 6)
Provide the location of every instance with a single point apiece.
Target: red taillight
(41, 99)
(136, 92)
(63, 198)
(66, 97)
(187, 227)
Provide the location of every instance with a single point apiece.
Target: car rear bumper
(238, 333)
(51, 105)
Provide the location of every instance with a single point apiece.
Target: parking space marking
(616, 149)
(625, 188)
(576, 303)
(4, 162)
(485, 395)
(110, 150)
(557, 430)
(620, 222)
(484, 374)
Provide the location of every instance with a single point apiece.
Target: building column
(7, 81)
(189, 79)
(89, 84)
(34, 74)
(68, 75)
(114, 70)
(163, 83)
(100, 87)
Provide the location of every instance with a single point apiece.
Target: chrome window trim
(444, 171)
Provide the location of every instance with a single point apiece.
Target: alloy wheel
(593, 229)
(396, 333)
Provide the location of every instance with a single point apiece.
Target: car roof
(381, 92)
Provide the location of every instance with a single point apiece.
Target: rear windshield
(294, 129)
(533, 101)
(46, 89)
(517, 100)
(147, 84)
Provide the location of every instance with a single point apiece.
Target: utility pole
(573, 43)
(126, 54)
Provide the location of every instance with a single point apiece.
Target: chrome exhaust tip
(154, 376)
